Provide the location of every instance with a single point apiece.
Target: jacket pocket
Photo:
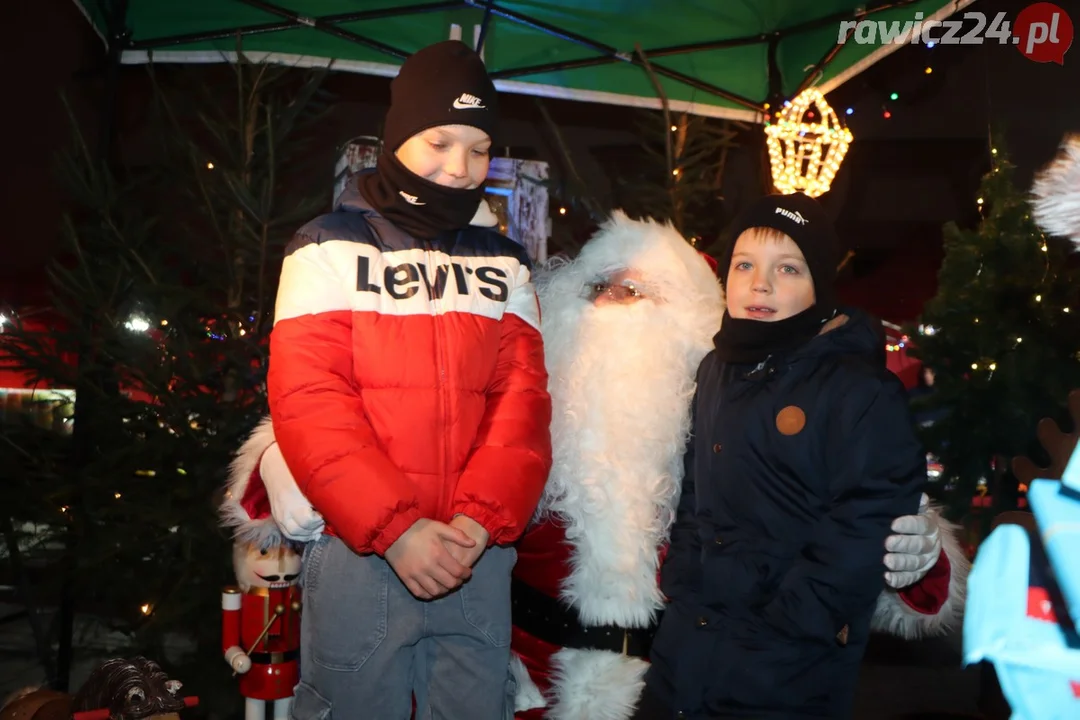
(777, 675)
(346, 606)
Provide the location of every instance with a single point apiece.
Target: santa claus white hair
(1056, 192)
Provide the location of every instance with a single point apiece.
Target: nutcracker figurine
(261, 615)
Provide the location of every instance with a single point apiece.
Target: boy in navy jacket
(803, 453)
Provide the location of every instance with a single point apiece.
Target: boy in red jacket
(408, 396)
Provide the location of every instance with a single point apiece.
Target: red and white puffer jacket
(407, 378)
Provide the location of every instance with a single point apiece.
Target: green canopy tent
(722, 59)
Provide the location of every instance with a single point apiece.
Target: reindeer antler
(1058, 444)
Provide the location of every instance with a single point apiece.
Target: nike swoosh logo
(458, 105)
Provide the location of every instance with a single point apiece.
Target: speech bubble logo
(1043, 33)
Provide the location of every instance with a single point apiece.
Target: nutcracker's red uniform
(275, 668)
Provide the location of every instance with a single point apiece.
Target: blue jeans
(368, 647)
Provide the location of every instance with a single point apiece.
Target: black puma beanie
(442, 84)
(803, 220)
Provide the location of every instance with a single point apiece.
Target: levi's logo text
(465, 101)
(793, 216)
(405, 280)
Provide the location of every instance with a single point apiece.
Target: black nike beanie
(442, 84)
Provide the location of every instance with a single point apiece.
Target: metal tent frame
(118, 40)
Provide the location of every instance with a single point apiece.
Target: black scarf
(744, 341)
(434, 208)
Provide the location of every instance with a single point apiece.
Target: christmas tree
(1002, 336)
(161, 306)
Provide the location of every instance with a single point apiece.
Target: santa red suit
(621, 376)
(585, 594)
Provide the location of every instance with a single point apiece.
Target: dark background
(903, 178)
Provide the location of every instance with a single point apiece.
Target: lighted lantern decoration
(807, 143)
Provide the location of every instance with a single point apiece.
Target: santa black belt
(547, 619)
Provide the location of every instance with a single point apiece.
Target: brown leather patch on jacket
(791, 420)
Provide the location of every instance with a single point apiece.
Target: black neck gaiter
(742, 341)
(418, 206)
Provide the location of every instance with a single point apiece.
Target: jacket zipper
(440, 360)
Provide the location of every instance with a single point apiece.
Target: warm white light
(145, 608)
(209, 166)
(164, 323)
(974, 366)
(137, 324)
(1038, 298)
(993, 366)
(116, 495)
(980, 201)
(805, 155)
(1065, 309)
(562, 211)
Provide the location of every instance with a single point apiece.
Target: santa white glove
(291, 510)
(914, 549)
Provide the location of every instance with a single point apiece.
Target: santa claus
(625, 325)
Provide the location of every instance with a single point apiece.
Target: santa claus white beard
(621, 388)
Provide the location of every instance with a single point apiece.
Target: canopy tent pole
(484, 25)
(328, 28)
(606, 54)
(166, 41)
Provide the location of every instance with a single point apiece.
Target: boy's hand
(420, 558)
(476, 531)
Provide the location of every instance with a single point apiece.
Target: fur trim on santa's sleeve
(246, 508)
(895, 616)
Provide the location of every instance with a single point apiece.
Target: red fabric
(928, 595)
(543, 564)
(1039, 606)
(713, 264)
(385, 419)
(277, 680)
(255, 500)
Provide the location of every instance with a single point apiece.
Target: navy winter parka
(796, 469)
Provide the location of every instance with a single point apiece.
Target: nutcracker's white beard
(621, 380)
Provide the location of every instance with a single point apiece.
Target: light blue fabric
(1036, 660)
(1057, 512)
